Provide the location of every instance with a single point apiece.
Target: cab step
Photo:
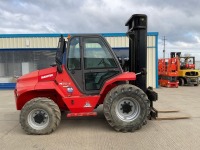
(83, 114)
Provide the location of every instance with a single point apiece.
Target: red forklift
(168, 72)
(87, 74)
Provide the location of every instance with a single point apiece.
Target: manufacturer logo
(87, 104)
(47, 76)
(70, 89)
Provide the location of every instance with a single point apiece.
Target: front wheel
(197, 84)
(126, 108)
(40, 116)
(181, 82)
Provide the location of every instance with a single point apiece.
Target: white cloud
(178, 21)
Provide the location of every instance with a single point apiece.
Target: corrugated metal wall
(34, 42)
(114, 39)
(51, 42)
(152, 61)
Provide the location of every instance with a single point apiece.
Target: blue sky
(179, 21)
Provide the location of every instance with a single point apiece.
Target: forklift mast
(137, 33)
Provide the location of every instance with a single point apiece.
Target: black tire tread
(108, 102)
(181, 82)
(37, 101)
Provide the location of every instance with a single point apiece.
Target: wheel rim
(127, 109)
(38, 119)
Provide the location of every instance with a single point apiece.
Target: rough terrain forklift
(86, 74)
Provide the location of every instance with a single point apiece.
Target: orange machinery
(168, 72)
(187, 74)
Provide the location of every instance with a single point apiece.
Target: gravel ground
(94, 132)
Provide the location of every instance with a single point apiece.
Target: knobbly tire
(126, 108)
(40, 116)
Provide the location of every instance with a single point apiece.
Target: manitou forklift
(90, 76)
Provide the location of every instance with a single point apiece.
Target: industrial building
(23, 53)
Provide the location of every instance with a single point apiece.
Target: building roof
(65, 34)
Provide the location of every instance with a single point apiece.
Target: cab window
(97, 55)
(74, 57)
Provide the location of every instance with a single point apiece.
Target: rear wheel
(196, 84)
(126, 108)
(40, 116)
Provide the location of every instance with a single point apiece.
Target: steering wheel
(102, 62)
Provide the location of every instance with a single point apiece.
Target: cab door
(100, 64)
(90, 62)
(74, 62)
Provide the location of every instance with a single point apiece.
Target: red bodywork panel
(190, 66)
(27, 86)
(167, 83)
(27, 82)
(61, 88)
(168, 66)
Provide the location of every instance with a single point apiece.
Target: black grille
(191, 73)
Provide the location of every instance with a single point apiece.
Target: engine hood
(48, 74)
(27, 77)
(28, 81)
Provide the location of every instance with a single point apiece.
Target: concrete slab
(95, 133)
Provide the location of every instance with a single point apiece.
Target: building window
(19, 62)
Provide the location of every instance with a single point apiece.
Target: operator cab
(90, 62)
(187, 62)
